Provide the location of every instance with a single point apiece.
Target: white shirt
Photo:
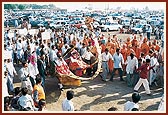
(78, 45)
(53, 55)
(11, 69)
(67, 105)
(5, 87)
(106, 57)
(23, 72)
(10, 50)
(87, 55)
(33, 70)
(26, 101)
(7, 54)
(153, 62)
(128, 106)
(64, 49)
(24, 44)
(19, 46)
(131, 64)
(118, 59)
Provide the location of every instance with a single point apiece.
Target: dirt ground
(97, 95)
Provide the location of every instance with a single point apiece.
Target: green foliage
(24, 6)
(21, 6)
(9, 6)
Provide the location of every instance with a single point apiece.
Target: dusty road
(97, 95)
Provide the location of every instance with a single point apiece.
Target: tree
(21, 6)
(9, 6)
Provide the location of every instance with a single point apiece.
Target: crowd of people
(40, 58)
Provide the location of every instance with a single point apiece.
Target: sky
(72, 6)
(102, 5)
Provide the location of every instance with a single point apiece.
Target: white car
(138, 28)
(111, 26)
(58, 25)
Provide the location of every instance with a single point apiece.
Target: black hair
(24, 91)
(17, 90)
(24, 62)
(136, 97)
(70, 95)
(139, 59)
(112, 109)
(106, 50)
(42, 102)
(142, 54)
(53, 46)
(118, 49)
(147, 60)
(7, 102)
(132, 55)
(135, 109)
(38, 79)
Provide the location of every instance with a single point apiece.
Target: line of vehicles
(106, 21)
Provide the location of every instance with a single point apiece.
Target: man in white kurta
(26, 100)
(5, 87)
(53, 54)
(132, 64)
(128, 106)
(118, 62)
(106, 56)
(19, 48)
(24, 75)
(11, 72)
(67, 104)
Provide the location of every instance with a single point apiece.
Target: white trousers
(145, 84)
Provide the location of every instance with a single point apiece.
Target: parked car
(126, 22)
(153, 17)
(138, 28)
(62, 19)
(45, 24)
(57, 25)
(78, 19)
(77, 24)
(117, 16)
(111, 26)
(35, 23)
(11, 22)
